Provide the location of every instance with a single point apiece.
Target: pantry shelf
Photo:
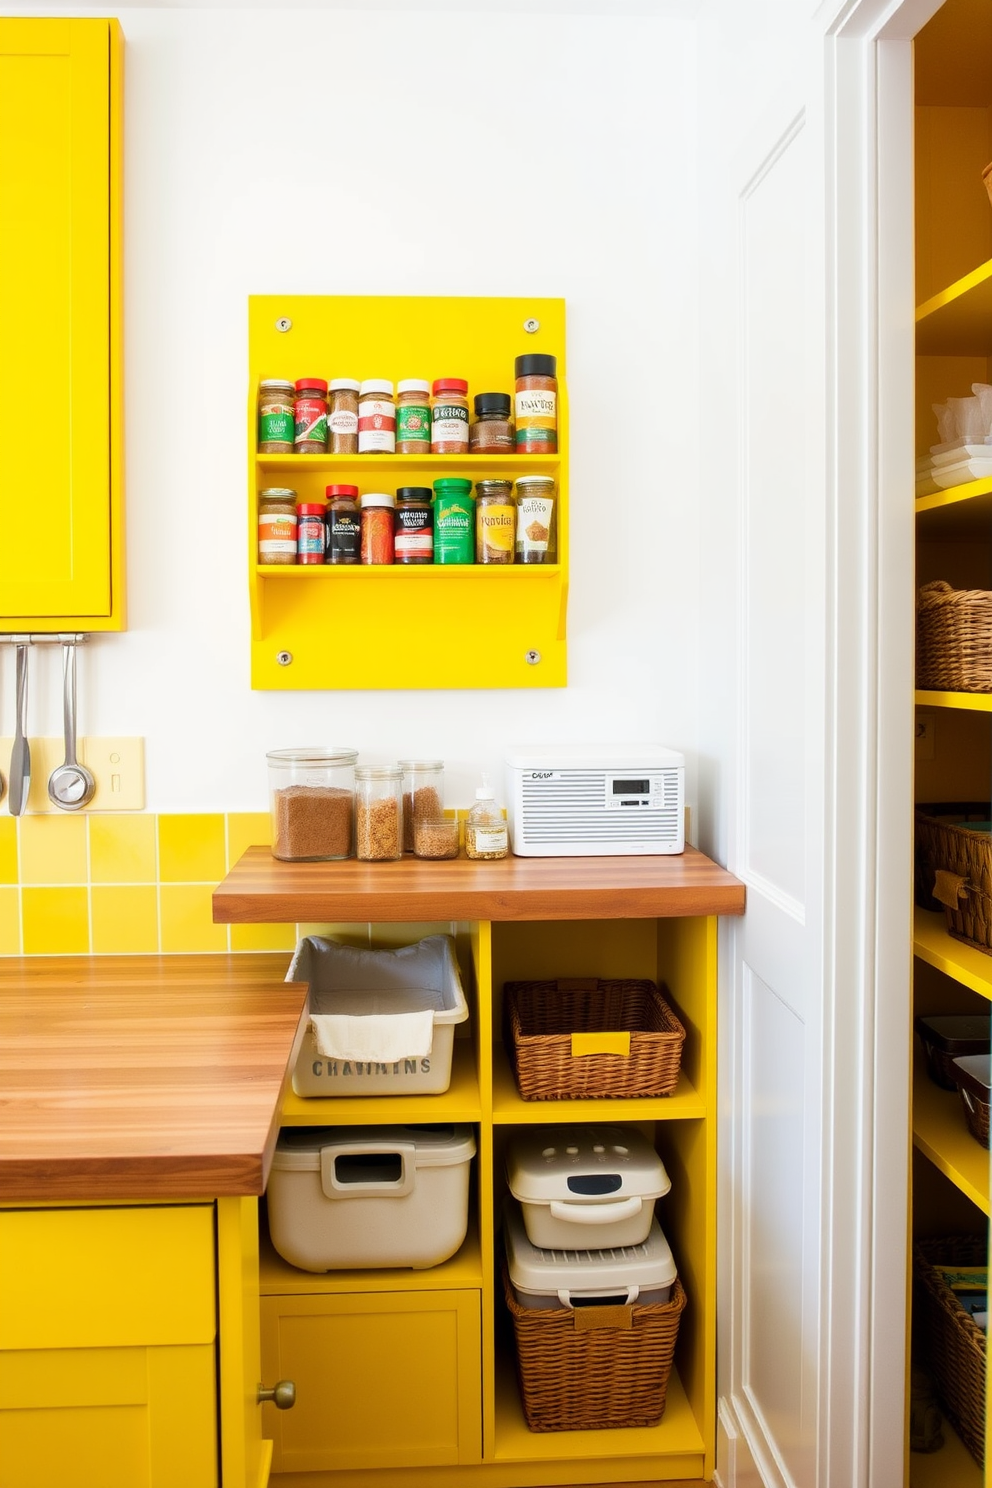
(425, 573)
(940, 1132)
(959, 514)
(958, 320)
(976, 702)
(388, 468)
(684, 1103)
(932, 943)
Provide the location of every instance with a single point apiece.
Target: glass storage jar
(342, 416)
(312, 801)
(423, 795)
(536, 519)
(277, 525)
(495, 521)
(378, 813)
(275, 416)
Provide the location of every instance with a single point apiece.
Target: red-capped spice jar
(310, 532)
(376, 417)
(449, 416)
(377, 527)
(536, 404)
(413, 417)
(343, 525)
(310, 416)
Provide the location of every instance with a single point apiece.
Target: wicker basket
(954, 639)
(976, 1111)
(541, 1018)
(583, 1372)
(951, 847)
(951, 1345)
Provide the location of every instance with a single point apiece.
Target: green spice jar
(454, 520)
(275, 416)
(413, 417)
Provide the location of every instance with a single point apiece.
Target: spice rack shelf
(408, 626)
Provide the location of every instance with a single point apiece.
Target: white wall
(258, 150)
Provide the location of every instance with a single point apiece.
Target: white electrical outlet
(117, 766)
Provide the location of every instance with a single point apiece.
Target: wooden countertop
(143, 1077)
(260, 888)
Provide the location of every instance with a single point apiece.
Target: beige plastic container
(369, 1196)
(620, 1275)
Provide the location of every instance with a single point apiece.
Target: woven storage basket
(582, 1373)
(976, 1114)
(952, 847)
(541, 1017)
(954, 638)
(950, 1344)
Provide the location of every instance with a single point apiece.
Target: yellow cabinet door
(383, 1379)
(108, 1348)
(60, 557)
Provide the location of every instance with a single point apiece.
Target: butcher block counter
(151, 1077)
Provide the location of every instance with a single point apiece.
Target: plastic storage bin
(946, 1037)
(620, 1274)
(385, 1020)
(589, 1186)
(367, 1196)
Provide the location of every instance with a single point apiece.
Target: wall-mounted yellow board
(404, 626)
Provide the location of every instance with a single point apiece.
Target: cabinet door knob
(282, 1395)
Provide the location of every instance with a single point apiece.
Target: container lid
(378, 772)
(593, 756)
(332, 491)
(376, 385)
(311, 384)
(278, 493)
(535, 480)
(378, 498)
(414, 493)
(567, 1274)
(421, 764)
(956, 1033)
(298, 1148)
(450, 385)
(494, 486)
(452, 485)
(972, 1072)
(343, 385)
(584, 1165)
(311, 508)
(413, 385)
(535, 364)
(493, 403)
(278, 384)
(313, 754)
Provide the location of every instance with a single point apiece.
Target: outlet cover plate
(117, 766)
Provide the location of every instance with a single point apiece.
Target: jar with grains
(275, 417)
(277, 525)
(310, 536)
(535, 519)
(376, 417)
(312, 801)
(413, 417)
(378, 813)
(344, 525)
(485, 827)
(454, 520)
(495, 521)
(423, 795)
(536, 404)
(414, 525)
(449, 417)
(342, 416)
(377, 527)
(492, 432)
(310, 416)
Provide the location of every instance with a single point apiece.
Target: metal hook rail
(45, 638)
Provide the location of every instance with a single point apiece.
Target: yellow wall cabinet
(953, 66)
(61, 495)
(404, 625)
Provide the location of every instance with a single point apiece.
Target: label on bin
(601, 1043)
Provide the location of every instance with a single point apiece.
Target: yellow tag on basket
(601, 1043)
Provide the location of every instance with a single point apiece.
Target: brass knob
(282, 1395)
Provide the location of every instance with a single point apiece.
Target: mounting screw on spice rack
(532, 325)
(284, 658)
(532, 657)
(284, 323)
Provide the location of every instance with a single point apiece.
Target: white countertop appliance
(589, 800)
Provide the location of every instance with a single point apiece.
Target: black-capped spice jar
(310, 416)
(343, 524)
(414, 525)
(495, 521)
(449, 416)
(536, 404)
(310, 532)
(275, 416)
(492, 432)
(342, 416)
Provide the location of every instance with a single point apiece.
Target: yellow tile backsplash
(53, 850)
(55, 922)
(185, 919)
(191, 848)
(10, 922)
(8, 850)
(123, 849)
(124, 919)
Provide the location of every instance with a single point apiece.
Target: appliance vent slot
(572, 809)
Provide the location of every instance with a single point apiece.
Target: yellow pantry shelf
(976, 702)
(940, 1132)
(951, 1467)
(405, 626)
(958, 320)
(959, 514)
(931, 943)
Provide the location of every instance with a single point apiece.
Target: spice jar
(423, 795)
(342, 416)
(377, 527)
(376, 417)
(492, 432)
(413, 417)
(454, 520)
(311, 798)
(485, 827)
(495, 521)
(310, 537)
(535, 519)
(275, 417)
(413, 525)
(536, 404)
(310, 416)
(343, 525)
(378, 812)
(449, 417)
(277, 525)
